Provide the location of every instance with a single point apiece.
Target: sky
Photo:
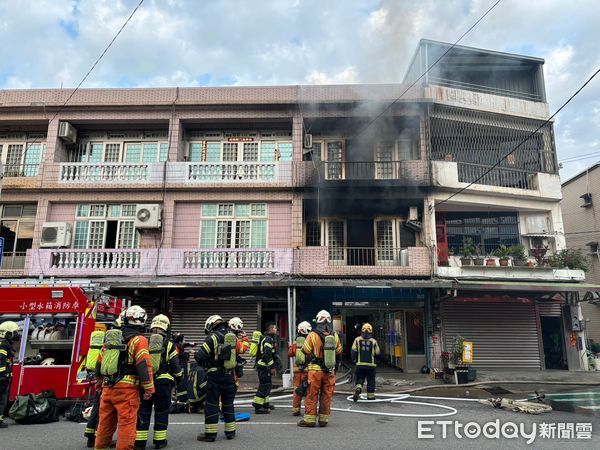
(53, 43)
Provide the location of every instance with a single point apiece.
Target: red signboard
(30, 300)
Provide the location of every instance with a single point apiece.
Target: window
(16, 227)
(335, 158)
(120, 151)
(22, 159)
(105, 226)
(488, 230)
(229, 225)
(226, 151)
(313, 234)
(52, 337)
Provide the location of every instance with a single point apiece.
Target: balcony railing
(20, 170)
(499, 176)
(232, 171)
(96, 259)
(487, 89)
(229, 259)
(367, 256)
(368, 170)
(88, 172)
(13, 261)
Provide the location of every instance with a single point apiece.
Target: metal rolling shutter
(550, 309)
(189, 315)
(504, 334)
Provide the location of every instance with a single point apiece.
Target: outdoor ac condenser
(148, 216)
(56, 234)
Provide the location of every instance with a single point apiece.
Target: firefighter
(184, 356)
(267, 361)
(300, 373)
(322, 347)
(243, 344)
(10, 334)
(217, 356)
(123, 367)
(167, 373)
(364, 350)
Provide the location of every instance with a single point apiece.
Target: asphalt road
(346, 430)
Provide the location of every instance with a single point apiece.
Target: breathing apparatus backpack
(225, 352)
(115, 348)
(329, 351)
(300, 356)
(157, 348)
(255, 344)
(96, 342)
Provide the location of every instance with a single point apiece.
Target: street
(346, 430)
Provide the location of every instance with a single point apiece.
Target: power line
(524, 140)
(585, 155)
(387, 108)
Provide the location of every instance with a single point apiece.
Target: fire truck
(57, 320)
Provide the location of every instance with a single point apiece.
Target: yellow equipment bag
(329, 351)
(254, 343)
(300, 356)
(96, 342)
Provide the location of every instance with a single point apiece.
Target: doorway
(554, 342)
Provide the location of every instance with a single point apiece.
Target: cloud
(191, 43)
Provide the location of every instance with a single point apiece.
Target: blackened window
(488, 230)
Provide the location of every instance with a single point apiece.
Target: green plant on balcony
(569, 258)
(503, 253)
(467, 251)
(539, 253)
(479, 258)
(517, 252)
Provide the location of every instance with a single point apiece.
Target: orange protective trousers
(118, 405)
(320, 390)
(298, 378)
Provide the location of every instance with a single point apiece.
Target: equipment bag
(75, 413)
(329, 351)
(114, 345)
(300, 356)
(96, 342)
(156, 346)
(33, 409)
(226, 351)
(255, 342)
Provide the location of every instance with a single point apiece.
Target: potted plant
(517, 252)
(467, 252)
(462, 370)
(503, 254)
(570, 258)
(490, 261)
(479, 259)
(445, 358)
(539, 253)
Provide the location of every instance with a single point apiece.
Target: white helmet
(135, 316)
(304, 328)
(236, 324)
(87, 412)
(10, 330)
(323, 316)
(48, 362)
(212, 322)
(162, 322)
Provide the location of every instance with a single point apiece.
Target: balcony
(456, 270)
(384, 172)
(152, 262)
(17, 176)
(102, 173)
(13, 264)
(362, 261)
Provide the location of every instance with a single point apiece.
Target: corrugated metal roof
(524, 286)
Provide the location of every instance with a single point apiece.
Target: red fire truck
(57, 321)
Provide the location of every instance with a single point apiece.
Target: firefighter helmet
(304, 328)
(236, 324)
(48, 362)
(323, 316)
(118, 322)
(9, 330)
(161, 321)
(212, 322)
(135, 316)
(367, 328)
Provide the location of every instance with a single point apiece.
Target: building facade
(582, 229)
(272, 203)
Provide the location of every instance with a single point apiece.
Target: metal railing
(366, 170)
(485, 89)
(20, 170)
(231, 171)
(88, 172)
(229, 259)
(368, 256)
(531, 161)
(499, 176)
(96, 259)
(13, 261)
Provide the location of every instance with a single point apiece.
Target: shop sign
(467, 354)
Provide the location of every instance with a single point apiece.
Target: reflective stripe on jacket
(364, 351)
(313, 348)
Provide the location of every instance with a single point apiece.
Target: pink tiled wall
(280, 225)
(61, 212)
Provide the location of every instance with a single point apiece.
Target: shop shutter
(550, 309)
(189, 315)
(504, 334)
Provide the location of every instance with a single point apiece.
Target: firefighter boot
(230, 435)
(3, 425)
(204, 438)
(91, 441)
(303, 423)
(161, 444)
(357, 393)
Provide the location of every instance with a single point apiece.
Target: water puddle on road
(579, 402)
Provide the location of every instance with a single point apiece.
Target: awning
(524, 286)
(542, 235)
(374, 283)
(197, 282)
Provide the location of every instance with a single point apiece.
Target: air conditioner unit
(67, 132)
(56, 234)
(148, 216)
(413, 213)
(308, 143)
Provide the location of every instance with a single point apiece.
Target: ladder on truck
(88, 286)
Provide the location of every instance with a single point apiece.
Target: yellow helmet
(162, 322)
(367, 328)
(9, 330)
